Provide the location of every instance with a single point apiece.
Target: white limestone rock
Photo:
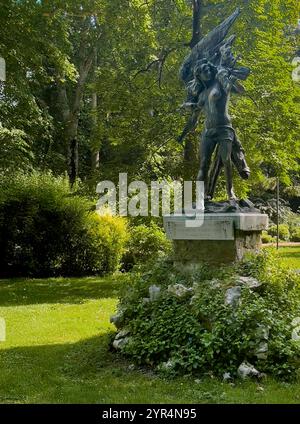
(117, 319)
(249, 282)
(262, 332)
(121, 343)
(246, 370)
(233, 296)
(227, 376)
(154, 293)
(122, 334)
(179, 290)
(261, 351)
(166, 366)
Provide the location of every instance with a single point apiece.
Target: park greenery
(188, 326)
(92, 90)
(57, 350)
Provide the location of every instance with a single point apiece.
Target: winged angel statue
(210, 74)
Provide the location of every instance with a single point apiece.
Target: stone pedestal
(214, 238)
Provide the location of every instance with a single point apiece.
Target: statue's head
(227, 57)
(203, 70)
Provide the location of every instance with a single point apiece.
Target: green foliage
(47, 230)
(146, 243)
(284, 232)
(135, 123)
(266, 238)
(295, 235)
(199, 332)
(15, 152)
(62, 326)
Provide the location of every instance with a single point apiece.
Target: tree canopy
(93, 89)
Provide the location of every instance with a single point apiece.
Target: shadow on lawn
(82, 372)
(58, 290)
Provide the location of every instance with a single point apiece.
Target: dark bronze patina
(211, 75)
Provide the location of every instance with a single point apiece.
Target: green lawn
(57, 351)
(290, 256)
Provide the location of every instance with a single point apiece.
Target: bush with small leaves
(47, 230)
(284, 232)
(267, 238)
(295, 235)
(145, 243)
(198, 330)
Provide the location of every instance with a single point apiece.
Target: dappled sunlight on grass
(57, 290)
(57, 351)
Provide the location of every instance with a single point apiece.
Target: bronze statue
(210, 75)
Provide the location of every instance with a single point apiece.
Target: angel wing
(216, 48)
(208, 47)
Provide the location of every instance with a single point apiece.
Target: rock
(233, 296)
(249, 282)
(262, 332)
(167, 366)
(246, 370)
(179, 290)
(296, 329)
(154, 293)
(117, 319)
(227, 376)
(262, 351)
(246, 203)
(120, 343)
(240, 206)
(122, 334)
(262, 335)
(131, 367)
(193, 299)
(146, 300)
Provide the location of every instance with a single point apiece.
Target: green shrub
(267, 238)
(295, 235)
(284, 232)
(15, 150)
(46, 230)
(199, 333)
(145, 243)
(99, 248)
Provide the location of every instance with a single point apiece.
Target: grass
(58, 334)
(290, 256)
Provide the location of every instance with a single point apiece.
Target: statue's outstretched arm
(226, 79)
(192, 121)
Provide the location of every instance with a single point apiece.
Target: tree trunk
(72, 119)
(196, 36)
(197, 14)
(95, 149)
(73, 161)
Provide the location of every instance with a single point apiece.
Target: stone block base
(220, 239)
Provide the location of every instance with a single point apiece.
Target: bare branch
(162, 60)
(148, 67)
